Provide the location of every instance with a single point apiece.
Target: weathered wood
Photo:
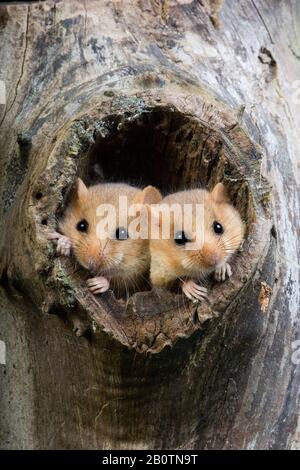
(176, 95)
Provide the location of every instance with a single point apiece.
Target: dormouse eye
(121, 233)
(218, 228)
(82, 226)
(180, 238)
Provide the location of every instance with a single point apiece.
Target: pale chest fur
(161, 272)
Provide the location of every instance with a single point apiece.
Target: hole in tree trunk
(171, 149)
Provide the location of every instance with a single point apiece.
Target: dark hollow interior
(164, 148)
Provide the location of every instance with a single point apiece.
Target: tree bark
(172, 93)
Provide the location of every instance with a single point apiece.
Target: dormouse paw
(98, 285)
(222, 272)
(64, 244)
(193, 291)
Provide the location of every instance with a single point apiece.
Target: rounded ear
(219, 193)
(149, 195)
(80, 190)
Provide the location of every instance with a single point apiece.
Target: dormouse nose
(96, 257)
(210, 255)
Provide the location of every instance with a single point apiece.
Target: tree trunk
(173, 93)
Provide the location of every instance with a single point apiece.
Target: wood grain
(216, 89)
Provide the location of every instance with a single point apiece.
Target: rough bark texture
(172, 93)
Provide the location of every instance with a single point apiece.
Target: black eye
(82, 226)
(180, 238)
(121, 233)
(218, 229)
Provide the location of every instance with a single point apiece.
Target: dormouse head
(205, 230)
(104, 229)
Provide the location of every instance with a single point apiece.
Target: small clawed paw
(222, 272)
(64, 244)
(98, 285)
(193, 291)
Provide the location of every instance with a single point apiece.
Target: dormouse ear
(148, 196)
(219, 193)
(151, 195)
(81, 191)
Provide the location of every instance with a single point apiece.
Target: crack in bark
(291, 48)
(85, 18)
(262, 20)
(22, 67)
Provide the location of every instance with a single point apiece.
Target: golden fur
(170, 261)
(124, 262)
